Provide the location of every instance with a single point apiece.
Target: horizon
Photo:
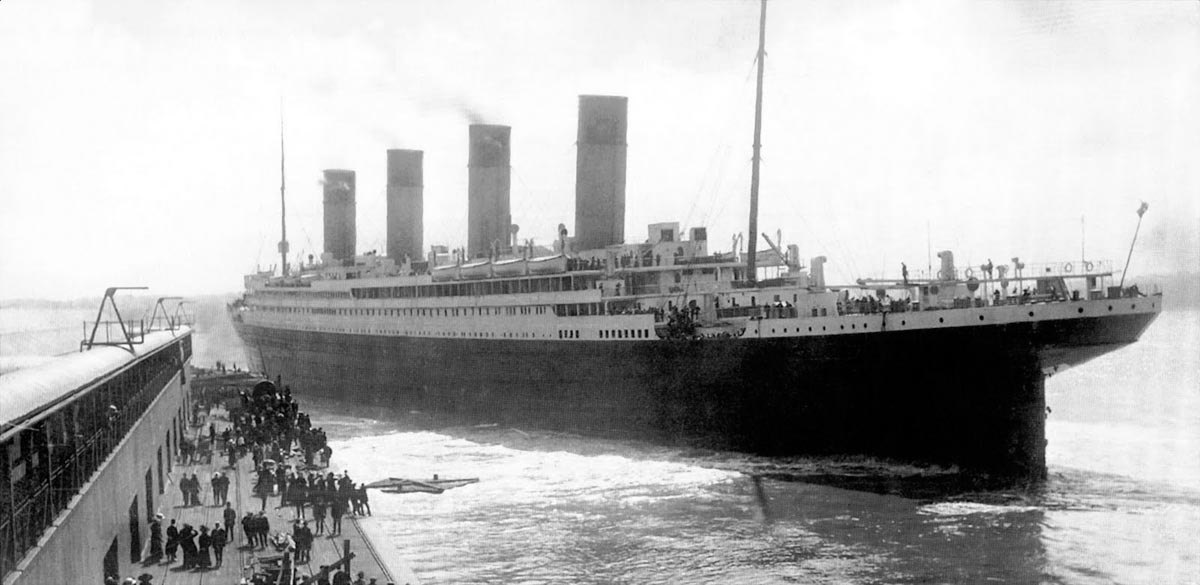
(143, 145)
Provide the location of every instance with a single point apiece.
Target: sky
(139, 140)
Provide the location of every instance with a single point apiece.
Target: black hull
(968, 396)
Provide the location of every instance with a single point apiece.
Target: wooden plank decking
(374, 559)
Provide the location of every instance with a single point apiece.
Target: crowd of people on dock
(270, 428)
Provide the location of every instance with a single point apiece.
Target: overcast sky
(139, 139)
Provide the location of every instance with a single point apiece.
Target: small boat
(401, 485)
(547, 264)
(509, 267)
(481, 269)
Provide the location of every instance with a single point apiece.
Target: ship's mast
(283, 243)
(752, 241)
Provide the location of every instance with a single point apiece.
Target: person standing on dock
(264, 529)
(188, 544)
(299, 494)
(319, 513)
(337, 510)
(248, 528)
(363, 498)
(218, 543)
(172, 541)
(185, 488)
(230, 517)
(203, 562)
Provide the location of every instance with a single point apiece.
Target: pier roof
(39, 389)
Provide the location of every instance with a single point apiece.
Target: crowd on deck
(270, 428)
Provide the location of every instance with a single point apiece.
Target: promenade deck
(241, 561)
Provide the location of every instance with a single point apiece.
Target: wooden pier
(374, 557)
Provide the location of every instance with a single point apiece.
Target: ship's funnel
(405, 194)
(489, 174)
(340, 231)
(600, 171)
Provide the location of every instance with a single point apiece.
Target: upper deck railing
(1018, 271)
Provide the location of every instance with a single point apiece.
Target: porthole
(1080, 309)
(1031, 313)
(843, 327)
(852, 326)
(903, 322)
(1132, 306)
(941, 319)
(1110, 307)
(981, 317)
(810, 329)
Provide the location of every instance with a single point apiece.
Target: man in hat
(188, 543)
(230, 517)
(172, 541)
(218, 543)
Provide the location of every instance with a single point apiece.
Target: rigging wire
(711, 184)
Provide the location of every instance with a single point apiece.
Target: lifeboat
(548, 264)
(473, 270)
(444, 273)
(509, 267)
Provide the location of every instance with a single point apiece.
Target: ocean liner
(666, 338)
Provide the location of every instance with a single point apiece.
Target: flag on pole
(1142, 208)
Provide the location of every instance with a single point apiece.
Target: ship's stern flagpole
(752, 241)
(1141, 210)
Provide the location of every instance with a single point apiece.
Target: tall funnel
(340, 232)
(489, 173)
(600, 171)
(405, 193)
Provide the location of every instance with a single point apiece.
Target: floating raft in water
(401, 485)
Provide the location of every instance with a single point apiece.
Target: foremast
(752, 240)
(283, 243)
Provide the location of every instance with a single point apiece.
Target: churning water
(1122, 504)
